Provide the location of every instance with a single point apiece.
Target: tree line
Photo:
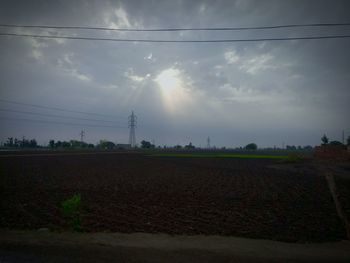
(20, 143)
(325, 141)
(12, 142)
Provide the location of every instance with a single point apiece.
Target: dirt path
(333, 189)
(33, 246)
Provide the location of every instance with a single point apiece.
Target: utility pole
(343, 139)
(82, 134)
(208, 142)
(132, 126)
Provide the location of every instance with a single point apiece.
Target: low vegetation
(71, 209)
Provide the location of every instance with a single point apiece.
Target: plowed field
(139, 193)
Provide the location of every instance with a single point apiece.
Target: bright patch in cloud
(149, 56)
(202, 8)
(122, 17)
(119, 18)
(132, 76)
(231, 57)
(80, 76)
(248, 95)
(67, 65)
(258, 63)
(36, 54)
(169, 79)
(173, 89)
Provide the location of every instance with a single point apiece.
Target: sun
(171, 87)
(169, 80)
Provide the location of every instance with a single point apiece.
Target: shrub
(71, 211)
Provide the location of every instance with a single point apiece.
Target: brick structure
(333, 152)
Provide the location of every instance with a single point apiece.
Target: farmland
(169, 193)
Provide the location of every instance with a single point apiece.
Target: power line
(179, 41)
(53, 115)
(56, 108)
(177, 29)
(58, 122)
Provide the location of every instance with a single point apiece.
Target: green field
(221, 155)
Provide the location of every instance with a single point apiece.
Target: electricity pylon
(82, 134)
(132, 126)
(208, 143)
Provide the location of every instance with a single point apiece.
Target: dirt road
(34, 246)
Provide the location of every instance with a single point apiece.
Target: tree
(9, 142)
(308, 147)
(104, 144)
(78, 144)
(24, 143)
(348, 141)
(58, 144)
(251, 146)
(33, 143)
(189, 146)
(52, 144)
(335, 143)
(146, 144)
(324, 139)
(75, 143)
(66, 144)
(291, 147)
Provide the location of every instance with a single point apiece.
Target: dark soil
(138, 193)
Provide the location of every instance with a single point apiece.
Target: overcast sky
(236, 93)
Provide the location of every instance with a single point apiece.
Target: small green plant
(71, 211)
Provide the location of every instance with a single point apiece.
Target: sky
(269, 92)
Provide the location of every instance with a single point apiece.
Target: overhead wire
(58, 109)
(179, 41)
(176, 29)
(63, 123)
(53, 115)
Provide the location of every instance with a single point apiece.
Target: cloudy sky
(236, 93)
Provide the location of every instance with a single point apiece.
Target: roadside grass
(221, 155)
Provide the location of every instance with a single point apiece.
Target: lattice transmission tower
(208, 143)
(82, 134)
(132, 126)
